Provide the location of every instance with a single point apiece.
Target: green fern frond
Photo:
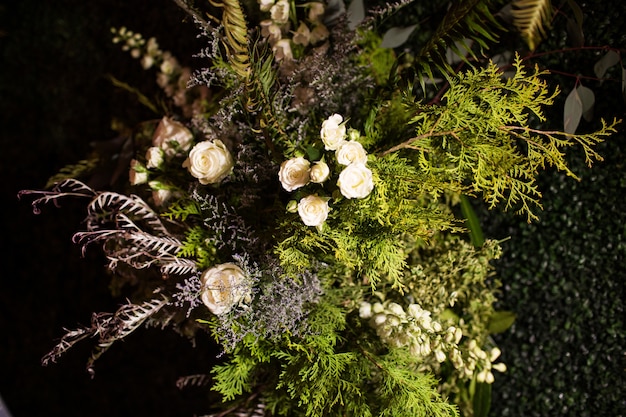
(76, 170)
(529, 17)
(465, 20)
(236, 36)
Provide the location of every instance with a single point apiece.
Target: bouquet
(305, 200)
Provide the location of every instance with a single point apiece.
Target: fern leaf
(67, 188)
(126, 320)
(529, 17)
(464, 21)
(236, 36)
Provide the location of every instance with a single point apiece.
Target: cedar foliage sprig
(479, 136)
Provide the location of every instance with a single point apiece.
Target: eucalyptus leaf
(607, 61)
(500, 321)
(573, 111)
(588, 99)
(575, 33)
(356, 13)
(624, 83)
(396, 36)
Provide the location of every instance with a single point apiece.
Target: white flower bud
(319, 172)
(280, 12)
(333, 132)
(137, 173)
(365, 310)
(396, 309)
(154, 157)
(500, 367)
(440, 356)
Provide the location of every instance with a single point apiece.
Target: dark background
(563, 276)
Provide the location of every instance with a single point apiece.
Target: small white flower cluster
(425, 337)
(278, 26)
(414, 329)
(171, 76)
(478, 360)
(355, 180)
(208, 161)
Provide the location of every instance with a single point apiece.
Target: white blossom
(333, 132)
(356, 181)
(350, 152)
(223, 287)
(313, 210)
(209, 161)
(294, 173)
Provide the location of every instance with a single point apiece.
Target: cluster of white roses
(424, 336)
(209, 161)
(278, 26)
(354, 181)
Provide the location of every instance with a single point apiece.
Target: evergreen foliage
(372, 303)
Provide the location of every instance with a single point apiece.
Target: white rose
(280, 12)
(137, 173)
(319, 172)
(282, 50)
(351, 152)
(154, 157)
(223, 287)
(333, 132)
(294, 173)
(266, 5)
(313, 210)
(355, 181)
(171, 136)
(209, 161)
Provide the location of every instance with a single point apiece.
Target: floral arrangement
(305, 200)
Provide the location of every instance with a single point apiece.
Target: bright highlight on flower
(223, 287)
(209, 161)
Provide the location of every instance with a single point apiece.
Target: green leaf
(476, 232)
(500, 321)
(481, 399)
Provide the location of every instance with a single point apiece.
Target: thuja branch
(408, 144)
